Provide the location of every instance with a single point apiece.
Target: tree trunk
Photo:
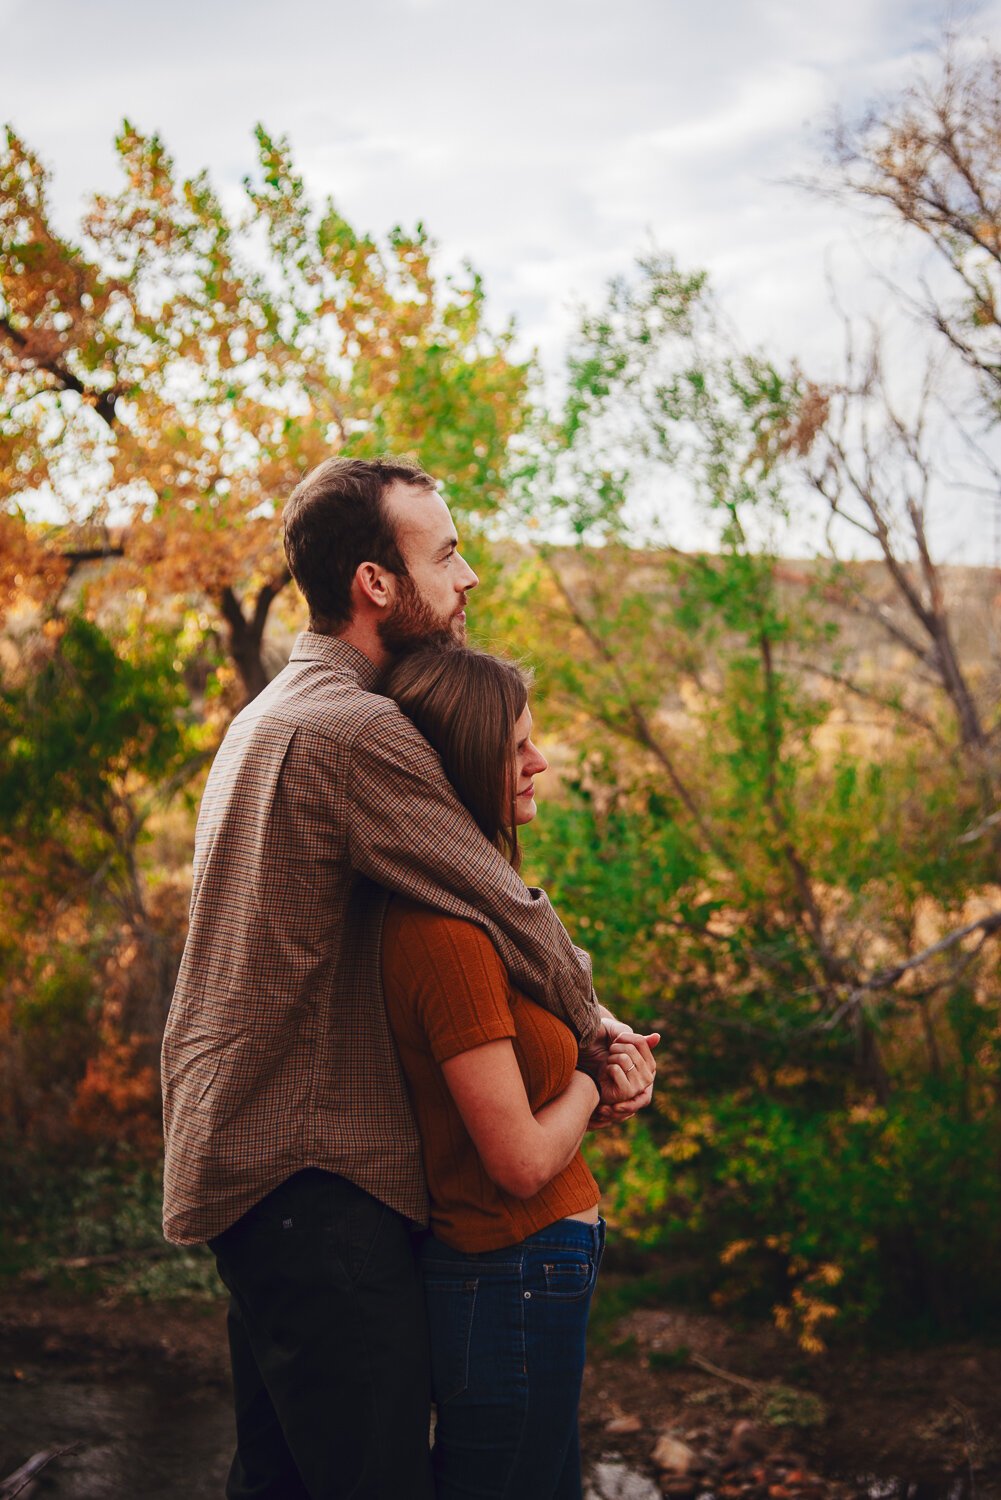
(971, 730)
(245, 637)
(245, 649)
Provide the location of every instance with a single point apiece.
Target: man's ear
(374, 584)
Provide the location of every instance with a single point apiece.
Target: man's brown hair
(466, 704)
(334, 520)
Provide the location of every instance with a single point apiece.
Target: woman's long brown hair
(466, 705)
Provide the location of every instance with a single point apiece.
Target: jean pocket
(566, 1275)
(450, 1305)
(364, 1219)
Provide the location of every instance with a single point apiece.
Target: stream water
(158, 1438)
(136, 1436)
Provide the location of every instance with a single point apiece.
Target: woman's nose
(538, 761)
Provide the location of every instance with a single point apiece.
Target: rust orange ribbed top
(447, 991)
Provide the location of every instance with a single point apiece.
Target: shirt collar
(337, 654)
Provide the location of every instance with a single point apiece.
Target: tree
(930, 159)
(928, 162)
(96, 739)
(800, 897)
(170, 374)
(877, 471)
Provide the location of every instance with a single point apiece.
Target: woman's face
(529, 762)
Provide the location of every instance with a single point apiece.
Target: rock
(801, 1480)
(680, 1486)
(746, 1444)
(611, 1480)
(623, 1424)
(673, 1456)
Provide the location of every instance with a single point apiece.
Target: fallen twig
(86, 1262)
(17, 1482)
(711, 1369)
(969, 1440)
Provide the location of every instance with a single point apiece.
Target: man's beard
(414, 623)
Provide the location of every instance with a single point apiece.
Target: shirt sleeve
(408, 831)
(459, 985)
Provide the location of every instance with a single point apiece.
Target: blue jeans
(508, 1330)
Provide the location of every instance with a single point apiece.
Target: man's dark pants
(328, 1339)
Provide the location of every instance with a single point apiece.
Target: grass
(95, 1230)
(615, 1296)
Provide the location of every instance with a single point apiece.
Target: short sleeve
(454, 980)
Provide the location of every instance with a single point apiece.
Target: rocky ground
(674, 1403)
(700, 1406)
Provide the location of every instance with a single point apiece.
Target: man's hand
(612, 1029)
(596, 1054)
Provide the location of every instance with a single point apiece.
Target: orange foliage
(152, 374)
(118, 1098)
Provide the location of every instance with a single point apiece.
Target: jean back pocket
(451, 1302)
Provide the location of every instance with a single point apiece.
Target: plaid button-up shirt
(277, 1054)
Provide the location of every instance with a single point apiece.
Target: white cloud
(546, 140)
(777, 98)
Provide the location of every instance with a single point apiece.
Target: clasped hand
(624, 1070)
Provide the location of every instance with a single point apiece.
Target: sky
(548, 142)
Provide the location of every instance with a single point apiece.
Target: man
(290, 1146)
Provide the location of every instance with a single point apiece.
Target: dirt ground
(913, 1424)
(743, 1414)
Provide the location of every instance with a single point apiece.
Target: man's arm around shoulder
(408, 831)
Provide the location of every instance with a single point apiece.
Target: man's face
(432, 600)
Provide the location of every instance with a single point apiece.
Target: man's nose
(467, 578)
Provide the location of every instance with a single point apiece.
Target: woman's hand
(625, 1081)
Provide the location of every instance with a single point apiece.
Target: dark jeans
(507, 1358)
(328, 1339)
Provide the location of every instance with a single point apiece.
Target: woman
(503, 1102)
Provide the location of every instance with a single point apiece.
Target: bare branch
(977, 833)
(888, 977)
(103, 402)
(642, 732)
(869, 696)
